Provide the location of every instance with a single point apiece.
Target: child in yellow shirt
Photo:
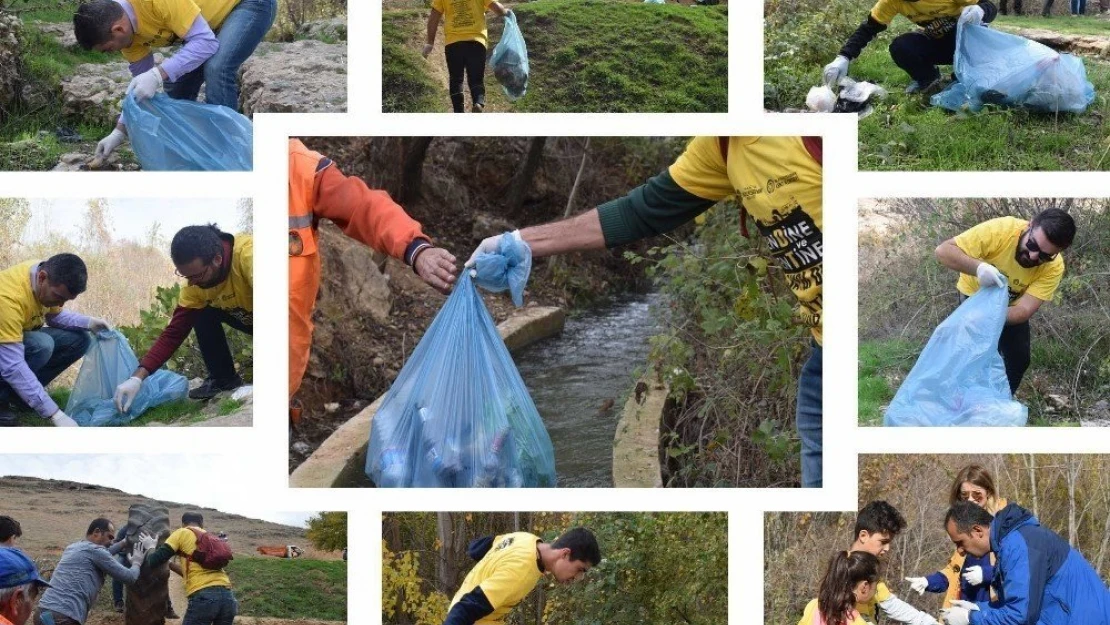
(851, 578)
(464, 29)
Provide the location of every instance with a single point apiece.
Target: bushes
(731, 354)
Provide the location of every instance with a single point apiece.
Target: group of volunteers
(776, 180)
(1006, 568)
(71, 591)
(39, 338)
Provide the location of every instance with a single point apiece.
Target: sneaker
(932, 89)
(119, 608)
(913, 88)
(212, 387)
(478, 106)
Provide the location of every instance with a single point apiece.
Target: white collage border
(260, 472)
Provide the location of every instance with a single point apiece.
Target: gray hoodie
(79, 576)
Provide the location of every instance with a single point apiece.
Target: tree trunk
(412, 173)
(1073, 464)
(1031, 465)
(522, 180)
(446, 571)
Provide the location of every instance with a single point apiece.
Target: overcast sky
(131, 219)
(192, 479)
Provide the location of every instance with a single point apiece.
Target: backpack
(211, 552)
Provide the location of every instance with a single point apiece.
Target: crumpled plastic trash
(959, 378)
(459, 414)
(510, 60)
(243, 393)
(181, 135)
(993, 67)
(108, 362)
(853, 97)
(505, 270)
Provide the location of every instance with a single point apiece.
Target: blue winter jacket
(1039, 579)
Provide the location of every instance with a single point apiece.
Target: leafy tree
(328, 531)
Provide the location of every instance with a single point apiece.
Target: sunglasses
(1031, 245)
(977, 496)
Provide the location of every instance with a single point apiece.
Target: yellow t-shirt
(19, 310)
(779, 182)
(809, 616)
(464, 20)
(184, 542)
(235, 294)
(869, 610)
(937, 17)
(995, 241)
(507, 573)
(162, 22)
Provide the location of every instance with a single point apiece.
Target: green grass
(587, 56)
(57, 11)
(903, 134)
(406, 86)
(1061, 24)
(290, 589)
(178, 412)
(879, 363)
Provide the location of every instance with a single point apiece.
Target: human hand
(107, 145)
(490, 245)
(918, 584)
(62, 420)
(146, 84)
(96, 324)
(989, 275)
(427, 49)
(436, 266)
(974, 575)
(836, 70)
(126, 392)
(971, 15)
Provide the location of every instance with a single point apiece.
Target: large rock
(11, 62)
(355, 283)
(61, 32)
(331, 30)
(94, 91)
(1085, 45)
(299, 77)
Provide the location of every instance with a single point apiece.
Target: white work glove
(971, 15)
(959, 613)
(427, 49)
(62, 420)
(989, 275)
(147, 541)
(140, 549)
(974, 575)
(126, 392)
(491, 245)
(836, 70)
(146, 84)
(108, 144)
(96, 324)
(918, 584)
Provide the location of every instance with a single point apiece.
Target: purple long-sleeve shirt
(17, 373)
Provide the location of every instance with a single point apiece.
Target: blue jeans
(809, 418)
(240, 33)
(48, 352)
(1078, 7)
(215, 605)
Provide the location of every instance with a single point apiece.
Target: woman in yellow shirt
(464, 28)
(850, 578)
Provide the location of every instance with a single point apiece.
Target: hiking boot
(119, 608)
(212, 387)
(913, 87)
(8, 419)
(932, 89)
(478, 106)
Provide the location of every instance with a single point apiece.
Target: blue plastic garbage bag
(109, 361)
(959, 379)
(458, 414)
(182, 135)
(505, 270)
(994, 67)
(510, 60)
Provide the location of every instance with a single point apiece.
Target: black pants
(1013, 346)
(468, 57)
(209, 329)
(918, 54)
(1002, 7)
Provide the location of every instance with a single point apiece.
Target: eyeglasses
(1031, 245)
(977, 496)
(194, 277)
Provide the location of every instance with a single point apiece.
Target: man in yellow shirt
(508, 568)
(464, 28)
(1024, 256)
(218, 36)
(211, 601)
(219, 271)
(920, 51)
(778, 182)
(876, 527)
(38, 338)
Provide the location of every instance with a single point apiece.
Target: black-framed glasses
(196, 276)
(1031, 245)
